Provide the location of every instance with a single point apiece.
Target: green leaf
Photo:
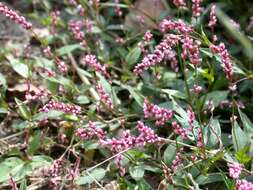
(97, 174)
(242, 156)
(213, 133)
(240, 139)
(210, 178)
(23, 185)
(40, 160)
(68, 49)
(247, 124)
(216, 96)
(52, 114)
(174, 93)
(82, 100)
(169, 154)
(25, 113)
(137, 172)
(34, 145)
(10, 166)
(133, 56)
(19, 67)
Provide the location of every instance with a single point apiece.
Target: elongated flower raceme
(243, 185)
(235, 170)
(92, 62)
(196, 8)
(190, 49)
(60, 106)
(76, 27)
(225, 59)
(13, 15)
(179, 26)
(90, 132)
(212, 17)
(146, 136)
(153, 111)
(162, 50)
(104, 98)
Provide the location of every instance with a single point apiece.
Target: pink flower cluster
(117, 8)
(61, 66)
(200, 140)
(225, 59)
(104, 98)
(191, 50)
(197, 89)
(153, 111)
(196, 8)
(76, 28)
(60, 106)
(235, 170)
(55, 15)
(212, 17)
(177, 162)
(48, 52)
(13, 15)
(147, 135)
(179, 3)
(90, 132)
(147, 36)
(191, 118)
(179, 26)
(243, 185)
(37, 94)
(91, 61)
(179, 130)
(162, 50)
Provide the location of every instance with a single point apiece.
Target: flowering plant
(105, 94)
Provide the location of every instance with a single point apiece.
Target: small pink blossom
(243, 185)
(197, 89)
(235, 170)
(200, 140)
(212, 17)
(61, 66)
(191, 118)
(160, 114)
(147, 36)
(179, 3)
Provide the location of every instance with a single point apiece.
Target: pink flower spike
(13, 15)
(160, 114)
(243, 185)
(91, 61)
(235, 170)
(104, 97)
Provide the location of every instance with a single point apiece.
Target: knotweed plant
(108, 93)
